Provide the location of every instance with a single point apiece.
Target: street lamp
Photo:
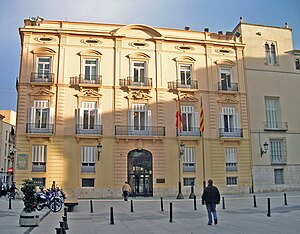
(181, 151)
(99, 150)
(264, 150)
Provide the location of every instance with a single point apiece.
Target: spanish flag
(201, 117)
(178, 116)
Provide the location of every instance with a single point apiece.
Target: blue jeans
(211, 208)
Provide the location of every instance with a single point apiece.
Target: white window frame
(87, 179)
(270, 53)
(231, 180)
(190, 121)
(92, 68)
(42, 71)
(88, 158)
(185, 74)
(230, 122)
(272, 112)
(139, 119)
(279, 176)
(140, 70)
(88, 117)
(40, 117)
(278, 151)
(231, 159)
(226, 78)
(188, 159)
(39, 154)
(189, 181)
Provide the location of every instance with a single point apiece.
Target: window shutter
(149, 118)
(130, 117)
(98, 117)
(221, 118)
(31, 112)
(195, 123)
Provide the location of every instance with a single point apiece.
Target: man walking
(211, 197)
(126, 190)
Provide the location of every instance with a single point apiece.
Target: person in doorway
(211, 197)
(126, 190)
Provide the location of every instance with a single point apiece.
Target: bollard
(195, 203)
(62, 227)
(9, 203)
(66, 211)
(161, 204)
(223, 202)
(91, 206)
(112, 215)
(254, 201)
(65, 222)
(285, 199)
(131, 205)
(269, 207)
(59, 231)
(192, 195)
(171, 213)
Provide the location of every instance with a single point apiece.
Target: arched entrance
(140, 173)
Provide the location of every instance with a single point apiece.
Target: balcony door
(140, 173)
(139, 71)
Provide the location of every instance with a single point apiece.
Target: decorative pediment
(43, 50)
(225, 62)
(89, 93)
(138, 95)
(123, 31)
(41, 92)
(188, 97)
(187, 59)
(94, 53)
(138, 56)
(228, 100)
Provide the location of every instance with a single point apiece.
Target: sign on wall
(22, 162)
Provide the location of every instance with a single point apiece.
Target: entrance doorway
(140, 173)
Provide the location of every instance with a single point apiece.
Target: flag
(201, 117)
(178, 116)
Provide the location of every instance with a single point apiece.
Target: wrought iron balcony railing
(86, 80)
(136, 82)
(139, 131)
(275, 126)
(223, 86)
(231, 132)
(39, 128)
(191, 131)
(231, 167)
(42, 78)
(89, 129)
(39, 168)
(193, 84)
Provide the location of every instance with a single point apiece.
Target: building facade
(272, 78)
(83, 86)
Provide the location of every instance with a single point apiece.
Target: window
(225, 73)
(185, 71)
(190, 121)
(272, 112)
(189, 160)
(39, 158)
(88, 155)
(139, 71)
(43, 67)
(231, 180)
(231, 159)
(139, 119)
(297, 64)
(278, 151)
(229, 123)
(40, 117)
(90, 70)
(188, 181)
(270, 54)
(88, 119)
(87, 183)
(278, 176)
(41, 182)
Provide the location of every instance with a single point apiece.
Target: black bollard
(269, 207)
(112, 215)
(66, 211)
(91, 206)
(254, 201)
(161, 204)
(192, 195)
(66, 222)
(131, 205)
(59, 231)
(223, 202)
(195, 203)
(62, 226)
(171, 213)
(285, 199)
(9, 203)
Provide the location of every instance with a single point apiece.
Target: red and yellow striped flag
(178, 123)
(201, 117)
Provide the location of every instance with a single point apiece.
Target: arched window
(267, 52)
(273, 54)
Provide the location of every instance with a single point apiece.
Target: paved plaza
(236, 215)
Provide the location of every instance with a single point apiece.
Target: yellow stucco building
(86, 85)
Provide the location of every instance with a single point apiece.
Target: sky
(217, 15)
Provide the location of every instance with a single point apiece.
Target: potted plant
(29, 216)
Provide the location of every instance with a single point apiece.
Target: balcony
(38, 128)
(139, 131)
(275, 126)
(131, 83)
(231, 132)
(231, 167)
(42, 78)
(38, 167)
(231, 87)
(88, 169)
(178, 85)
(83, 129)
(86, 81)
(192, 132)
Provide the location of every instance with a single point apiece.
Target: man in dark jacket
(211, 197)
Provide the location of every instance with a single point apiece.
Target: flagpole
(203, 161)
(201, 128)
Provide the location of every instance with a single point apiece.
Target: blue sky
(217, 15)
